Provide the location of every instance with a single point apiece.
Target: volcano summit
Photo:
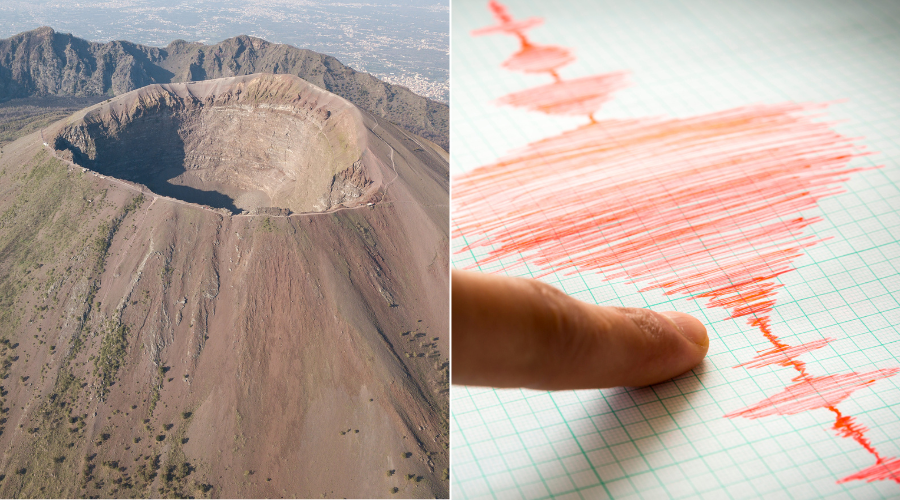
(231, 288)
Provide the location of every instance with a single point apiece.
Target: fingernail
(691, 328)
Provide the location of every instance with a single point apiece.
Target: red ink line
(530, 58)
(881, 471)
(812, 393)
(711, 206)
(847, 427)
(582, 96)
(783, 354)
(538, 59)
(506, 24)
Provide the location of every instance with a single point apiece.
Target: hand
(515, 332)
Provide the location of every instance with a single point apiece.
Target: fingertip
(665, 345)
(611, 346)
(690, 327)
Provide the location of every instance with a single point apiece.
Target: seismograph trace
(708, 206)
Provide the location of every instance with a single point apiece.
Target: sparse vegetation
(147, 472)
(154, 398)
(112, 354)
(134, 204)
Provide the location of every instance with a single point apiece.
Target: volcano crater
(247, 143)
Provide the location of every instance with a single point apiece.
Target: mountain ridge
(45, 62)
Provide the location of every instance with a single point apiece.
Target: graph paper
(684, 59)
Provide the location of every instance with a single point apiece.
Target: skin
(515, 332)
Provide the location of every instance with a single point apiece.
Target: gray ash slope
(44, 62)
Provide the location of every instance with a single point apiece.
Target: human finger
(515, 332)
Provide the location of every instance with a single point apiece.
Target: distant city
(404, 42)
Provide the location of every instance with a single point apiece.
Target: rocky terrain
(42, 62)
(154, 343)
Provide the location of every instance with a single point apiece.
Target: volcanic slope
(154, 346)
